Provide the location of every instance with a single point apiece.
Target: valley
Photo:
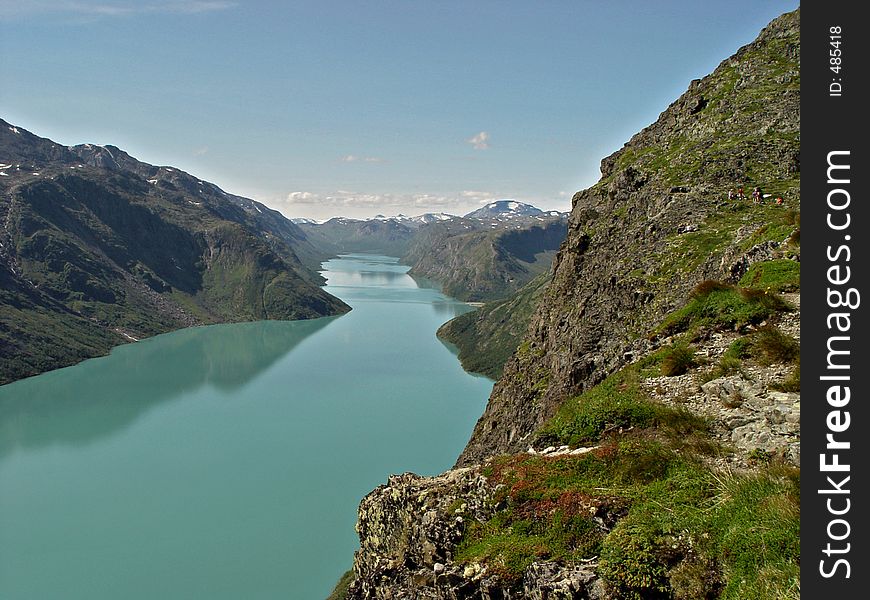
(640, 354)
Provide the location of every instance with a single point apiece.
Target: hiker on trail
(740, 194)
(756, 195)
(731, 195)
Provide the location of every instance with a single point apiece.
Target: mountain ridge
(657, 223)
(99, 249)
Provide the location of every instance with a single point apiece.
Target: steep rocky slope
(99, 248)
(656, 224)
(641, 442)
(478, 261)
(487, 337)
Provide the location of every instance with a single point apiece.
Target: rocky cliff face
(657, 223)
(409, 529)
(477, 263)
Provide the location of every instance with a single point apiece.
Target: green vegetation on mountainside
(646, 498)
(340, 590)
(488, 336)
(677, 529)
(482, 263)
(100, 253)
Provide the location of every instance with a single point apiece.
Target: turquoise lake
(227, 462)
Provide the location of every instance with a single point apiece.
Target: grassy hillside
(488, 336)
(480, 262)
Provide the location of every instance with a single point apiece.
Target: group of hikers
(757, 196)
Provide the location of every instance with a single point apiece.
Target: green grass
(679, 529)
(731, 361)
(767, 345)
(551, 529)
(770, 345)
(781, 225)
(792, 383)
(780, 275)
(687, 252)
(619, 402)
(677, 359)
(756, 527)
(551, 504)
(719, 306)
(698, 534)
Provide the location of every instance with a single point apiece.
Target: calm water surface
(228, 461)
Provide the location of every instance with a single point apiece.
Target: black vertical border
(834, 123)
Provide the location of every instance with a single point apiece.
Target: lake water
(228, 461)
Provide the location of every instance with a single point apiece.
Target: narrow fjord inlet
(227, 461)
(597, 398)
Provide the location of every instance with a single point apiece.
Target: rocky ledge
(412, 529)
(409, 530)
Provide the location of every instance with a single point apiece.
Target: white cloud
(110, 8)
(349, 199)
(201, 151)
(479, 141)
(477, 197)
(355, 158)
(302, 198)
(348, 203)
(359, 204)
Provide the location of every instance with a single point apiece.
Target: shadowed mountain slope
(99, 248)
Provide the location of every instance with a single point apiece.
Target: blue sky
(319, 108)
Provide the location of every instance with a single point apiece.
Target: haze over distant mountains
(485, 255)
(499, 210)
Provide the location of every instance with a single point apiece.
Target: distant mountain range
(500, 210)
(485, 255)
(510, 209)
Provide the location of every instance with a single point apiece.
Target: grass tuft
(770, 345)
(781, 275)
(792, 383)
(678, 359)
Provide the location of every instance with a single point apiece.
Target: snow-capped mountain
(505, 209)
(432, 218)
(423, 219)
